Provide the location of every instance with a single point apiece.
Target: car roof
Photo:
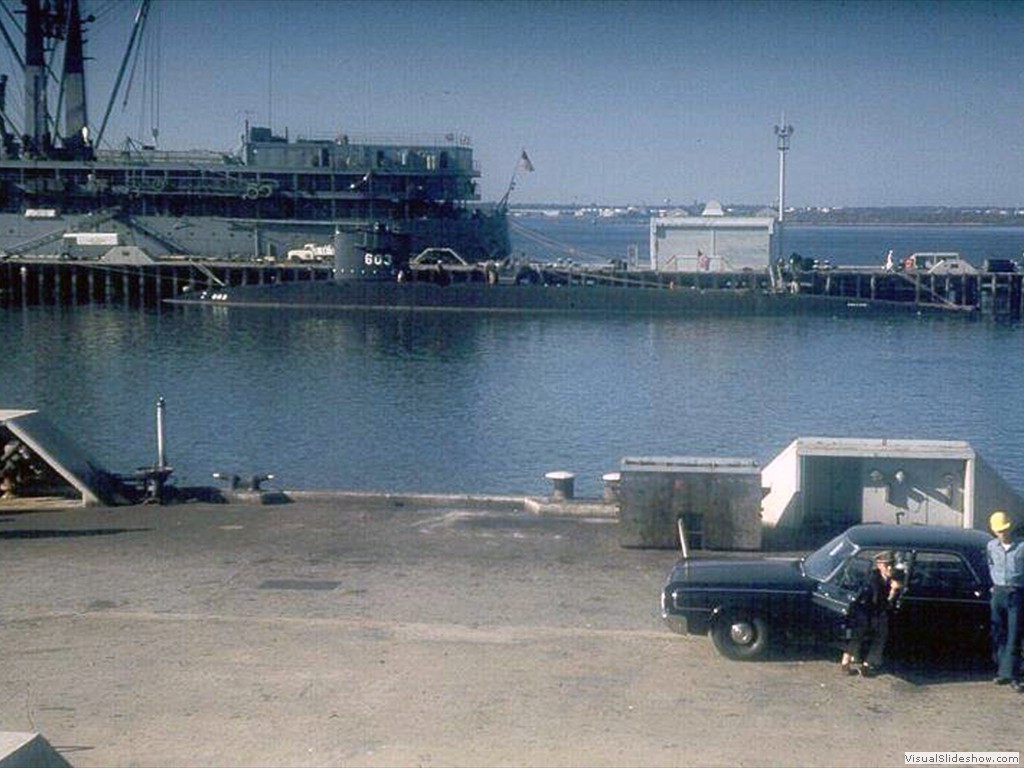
(916, 536)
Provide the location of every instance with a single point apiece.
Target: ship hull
(217, 237)
(601, 300)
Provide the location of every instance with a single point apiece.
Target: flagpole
(503, 203)
(523, 160)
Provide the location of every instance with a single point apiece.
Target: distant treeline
(819, 215)
(913, 215)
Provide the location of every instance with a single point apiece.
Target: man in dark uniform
(1006, 566)
(872, 617)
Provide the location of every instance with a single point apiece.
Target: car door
(943, 613)
(833, 600)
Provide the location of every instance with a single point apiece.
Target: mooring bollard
(562, 485)
(611, 486)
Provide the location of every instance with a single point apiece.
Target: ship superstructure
(61, 193)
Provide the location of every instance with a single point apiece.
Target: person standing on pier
(1006, 566)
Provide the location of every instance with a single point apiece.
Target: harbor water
(473, 403)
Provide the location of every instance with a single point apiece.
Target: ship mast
(36, 138)
(76, 130)
(46, 23)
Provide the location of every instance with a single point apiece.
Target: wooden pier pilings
(996, 295)
(27, 282)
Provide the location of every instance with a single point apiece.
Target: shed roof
(7, 414)
(883, 447)
(58, 451)
(713, 222)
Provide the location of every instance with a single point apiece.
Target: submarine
(373, 269)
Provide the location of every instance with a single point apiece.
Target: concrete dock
(365, 631)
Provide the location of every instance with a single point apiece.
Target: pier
(491, 635)
(991, 294)
(48, 281)
(28, 281)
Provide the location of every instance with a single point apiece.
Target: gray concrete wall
(992, 492)
(719, 507)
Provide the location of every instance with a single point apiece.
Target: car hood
(753, 573)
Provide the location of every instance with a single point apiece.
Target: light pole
(783, 133)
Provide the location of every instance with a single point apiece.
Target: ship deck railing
(166, 157)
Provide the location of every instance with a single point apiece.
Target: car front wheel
(740, 636)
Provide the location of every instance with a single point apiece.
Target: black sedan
(752, 606)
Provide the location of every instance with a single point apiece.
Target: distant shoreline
(897, 216)
(896, 223)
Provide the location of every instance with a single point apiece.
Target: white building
(828, 483)
(712, 242)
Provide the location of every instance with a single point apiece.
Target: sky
(892, 103)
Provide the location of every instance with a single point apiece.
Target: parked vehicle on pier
(1008, 266)
(312, 252)
(751, 607)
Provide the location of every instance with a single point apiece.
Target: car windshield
(823, 563)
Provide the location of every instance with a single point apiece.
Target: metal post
(160, 459)
(682, 538)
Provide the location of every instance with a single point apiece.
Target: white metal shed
(712, 242)
(830, 482)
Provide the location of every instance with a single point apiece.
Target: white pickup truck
(311, 252)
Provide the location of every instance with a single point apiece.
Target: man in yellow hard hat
(1006, 567)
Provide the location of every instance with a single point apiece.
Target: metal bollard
(611, 486)
(562, 485)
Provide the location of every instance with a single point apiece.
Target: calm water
(474, 403)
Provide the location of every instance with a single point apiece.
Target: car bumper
(676, 623)
(689, 623)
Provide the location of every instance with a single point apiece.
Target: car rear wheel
(740, 636)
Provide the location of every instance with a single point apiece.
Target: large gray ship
(63, 194)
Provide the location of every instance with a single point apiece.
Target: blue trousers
(1007, 630)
